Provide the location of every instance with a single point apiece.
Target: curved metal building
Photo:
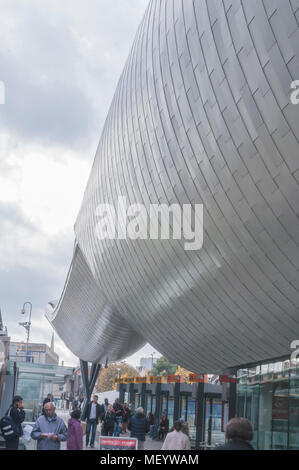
(202, 114)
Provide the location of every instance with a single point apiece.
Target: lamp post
(152, 359)
(26, 325)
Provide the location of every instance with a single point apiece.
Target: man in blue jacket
(49, 430)
(137, 426)
(17, 413)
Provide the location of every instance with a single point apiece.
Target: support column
(143, 391)
(176, 403)
(232, 400)
(121, 393)
(200, 414)
(158, 403)
(131, 393)
(88, 383)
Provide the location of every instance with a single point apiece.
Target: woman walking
(75, 432)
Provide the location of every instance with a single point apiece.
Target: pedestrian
(75, 403)
(150, 421)
(106, 404)
(75, 431)
(163, 427)
(94, 413)
(49, 430)
(239, 434)
(14, 416)
(108, 422)
(132, 407)
(126, 416)
(118, 417)
(48, 399)
(137, 426)
(185, 427)
(176, 440)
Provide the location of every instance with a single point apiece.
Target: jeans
(117, 426)
(153, 431)
(91, 426)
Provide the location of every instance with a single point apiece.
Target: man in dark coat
(239, 434)
(48, 399)
(94, 413)
(137, 426)
(17, 414)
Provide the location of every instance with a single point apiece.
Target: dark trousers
(91, 426)
(12, 444)
(162, 433)
(107, 431)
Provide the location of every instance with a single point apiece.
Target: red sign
(117, 443)
(198, 378)
(280, 408)
(227, 379)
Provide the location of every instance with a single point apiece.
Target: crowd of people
(50, 430)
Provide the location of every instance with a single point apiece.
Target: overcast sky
(60, 63)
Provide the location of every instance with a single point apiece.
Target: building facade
(37, 353)
(202, 115)
(268, 395)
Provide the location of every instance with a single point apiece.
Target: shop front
(268, 395)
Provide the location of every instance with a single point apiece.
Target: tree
(163, 367)
(106, 378)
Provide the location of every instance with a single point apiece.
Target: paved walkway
(149, 443)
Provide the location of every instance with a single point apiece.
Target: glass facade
(268, 395)
(35, 381)
(170, 411)
(214, 421)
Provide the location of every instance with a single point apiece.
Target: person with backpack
(137, 426)
(11, 423)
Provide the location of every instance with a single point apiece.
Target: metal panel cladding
(202, 114)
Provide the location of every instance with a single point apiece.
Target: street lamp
(26, 325)
(152, 359)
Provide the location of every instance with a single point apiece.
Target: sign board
(128, 380)
(227, 379)
(175, 379)
(140, 380)
(197, 378)
(156, 379)
(117, 443)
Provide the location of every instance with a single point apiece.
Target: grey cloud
(58, 91)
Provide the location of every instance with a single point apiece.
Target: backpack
(8, 427)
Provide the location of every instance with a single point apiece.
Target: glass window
(183, 407)
(280, 415)
(170, 411)
(191, 419)
(164, 406)
(265, 417)
(153, 404)
(148, 403)
(294, 410)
